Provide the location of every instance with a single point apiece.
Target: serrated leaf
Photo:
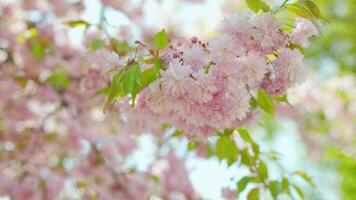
(131, 80)
(160, 40)
(115, 89)
(226, 149)
(254, 194)
(77, 23)
(148, 77)
(265, 102)
(257, 5)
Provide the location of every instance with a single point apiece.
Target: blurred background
(315, 134)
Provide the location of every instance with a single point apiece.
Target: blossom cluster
(209, 86)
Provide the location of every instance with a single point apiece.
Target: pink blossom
(289, 69)
(303, 31)
(253, 68)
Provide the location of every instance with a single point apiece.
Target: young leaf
(265, 102)
(160, 40)
(275, 188)
(257, 5)
(242, 183)
(38, 49)
(226, 149)
(299, 10)
(96, 44)
(244, 135)
(263, 171)
(306, 177)
(77, 23)
(59, 80)
(115, 89)
(131, 80)
(28, 34)
(299, 191)
(285, 184)
(254, 194)
(283, 98)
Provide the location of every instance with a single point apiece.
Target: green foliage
(265, 102)
(254, 194)
(59, 79)
(226, 149)
(242, 184)
(306, 9)
(77, 23)
(299, 191)
(38, 49)
(96, 44)
(31, 33)
(120, 47)
(275, 188)
(306, 177)
(257, 5)
(160, 40)
(263, 171)
(131, 80)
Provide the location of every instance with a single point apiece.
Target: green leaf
(116, 90)
(313, 8)
(299, 191)
(77, 23)
(275, 188)
(192, 146)
(226, 149)
(96, 44)
(306, 177)
(59, 79)
(299, 10)
(148, 76)
(283, 98)
(245, 135)
(120, 47)
(285, 184)
(263, 171)
(254, 194)
(245, 157)
(242, 183)
(38, 49)
(265, 102)
(178, 133)
(257, 5)
(131, 80)
(28, 34)
(160, 40)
